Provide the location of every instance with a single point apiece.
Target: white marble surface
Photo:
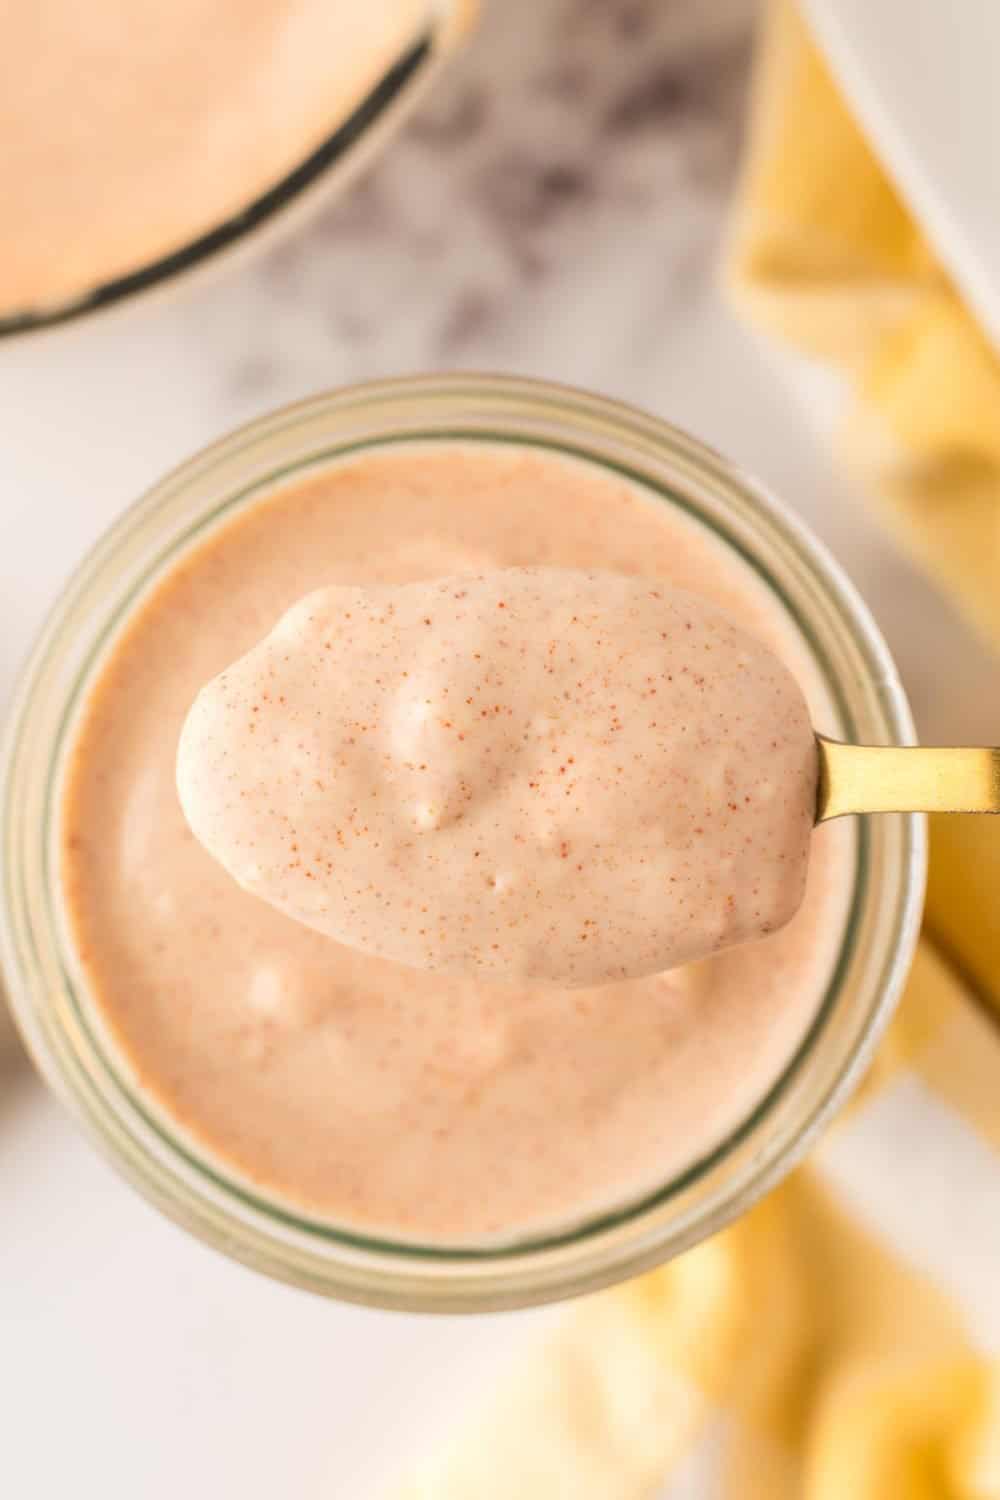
(555, 209)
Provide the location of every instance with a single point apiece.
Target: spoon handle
(889, 778)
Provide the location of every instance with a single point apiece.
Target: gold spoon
(892, 778)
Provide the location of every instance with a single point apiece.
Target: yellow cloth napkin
(841, 1339)
(826, 258)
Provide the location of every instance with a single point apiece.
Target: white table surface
(555, 210)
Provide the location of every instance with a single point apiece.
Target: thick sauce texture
(530, 774)
(419, 1105)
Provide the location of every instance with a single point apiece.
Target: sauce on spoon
(535, 775)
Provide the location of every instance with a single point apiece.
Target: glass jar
(328, 168)
(68, 1045)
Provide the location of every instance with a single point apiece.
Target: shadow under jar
(88, 1057)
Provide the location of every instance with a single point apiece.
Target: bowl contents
(130, 131)
(531, 774)
(422, 1106)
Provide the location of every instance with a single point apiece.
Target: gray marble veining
(560, 190)
(555, 207)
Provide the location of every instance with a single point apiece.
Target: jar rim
(218, 1209)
